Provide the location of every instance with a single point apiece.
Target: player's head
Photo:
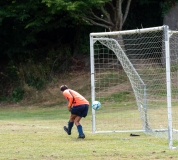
(63, 88)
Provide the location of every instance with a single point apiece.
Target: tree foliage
(29, 33)
(109, 14)
(166, 5)
(41, 38)
(22, 23)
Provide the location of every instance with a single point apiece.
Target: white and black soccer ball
(96, 105)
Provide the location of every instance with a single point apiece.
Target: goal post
(168, 80)
(131, 74)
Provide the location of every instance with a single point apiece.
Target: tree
(110, 14)
(30, 36)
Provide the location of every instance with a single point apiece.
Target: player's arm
(69, 98)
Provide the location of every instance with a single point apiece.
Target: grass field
(36, 133)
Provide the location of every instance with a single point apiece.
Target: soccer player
(78, 106)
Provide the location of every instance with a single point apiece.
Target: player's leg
(70, 124)
(76, 114)
(82, 112)
(79, 127)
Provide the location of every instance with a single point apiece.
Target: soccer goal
(134, 74)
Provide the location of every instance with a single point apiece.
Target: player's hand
(70, 109)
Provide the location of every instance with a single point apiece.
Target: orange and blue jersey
(74, 98)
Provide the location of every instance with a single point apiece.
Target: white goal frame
(107, 36)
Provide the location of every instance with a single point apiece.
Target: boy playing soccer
(78, 106)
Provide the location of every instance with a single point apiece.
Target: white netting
(132, 66)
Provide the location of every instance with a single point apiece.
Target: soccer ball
(96, 105)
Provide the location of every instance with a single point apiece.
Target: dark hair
(63, 88)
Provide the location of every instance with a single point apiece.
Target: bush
(17, 94)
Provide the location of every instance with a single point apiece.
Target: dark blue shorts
(81, 110)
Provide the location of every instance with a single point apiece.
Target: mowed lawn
(36, 133)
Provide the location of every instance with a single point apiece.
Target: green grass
(36, 133)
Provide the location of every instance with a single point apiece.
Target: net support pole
(147, 128)
(168, 83)
(92, 82)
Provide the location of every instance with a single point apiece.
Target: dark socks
(70, 125)
(80, 130)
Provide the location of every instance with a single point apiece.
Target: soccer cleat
(81, 136)
(67, 131)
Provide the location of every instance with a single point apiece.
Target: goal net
(134, 74)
